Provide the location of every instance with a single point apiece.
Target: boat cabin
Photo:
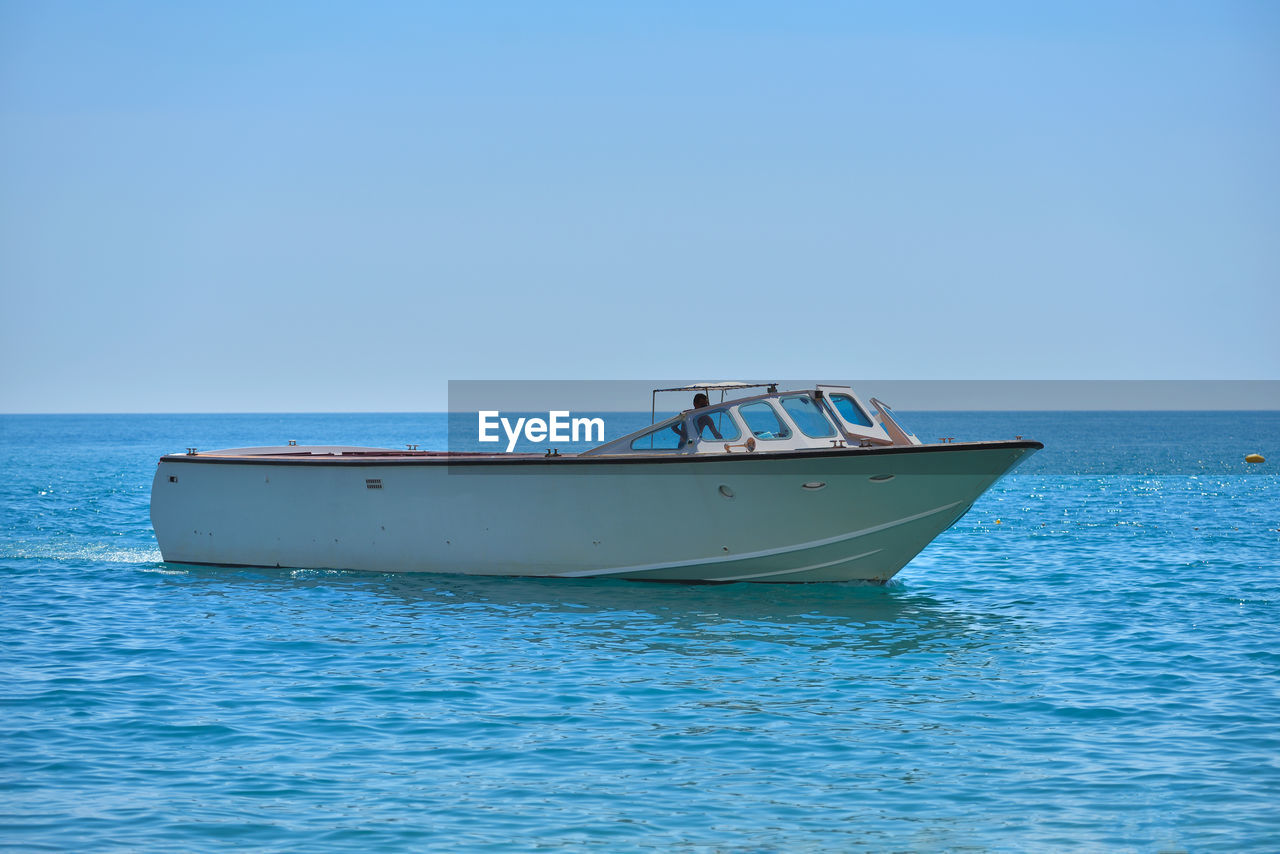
(826, 416)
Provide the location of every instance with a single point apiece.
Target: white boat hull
(749, 518)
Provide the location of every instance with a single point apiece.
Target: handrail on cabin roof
(722, 386)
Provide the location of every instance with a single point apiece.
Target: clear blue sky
(307, 206)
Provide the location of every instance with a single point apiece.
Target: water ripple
(1096, 671)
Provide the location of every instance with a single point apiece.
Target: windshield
(804, 411)
(667, 436)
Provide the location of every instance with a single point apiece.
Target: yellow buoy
(1255, 458)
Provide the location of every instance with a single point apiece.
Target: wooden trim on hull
(453, 459)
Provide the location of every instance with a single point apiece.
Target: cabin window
(807, 416)
(667, 436)
(850, 410)
(763, 421)
(716, 424)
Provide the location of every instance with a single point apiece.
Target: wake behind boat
(794, 486)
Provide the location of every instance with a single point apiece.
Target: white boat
(795, 486)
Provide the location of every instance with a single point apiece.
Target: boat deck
(311, 452)
(342, 455)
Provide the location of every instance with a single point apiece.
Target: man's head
(700, 400)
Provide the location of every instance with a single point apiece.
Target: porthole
(881, 478)
(726, 491)
(813, 485)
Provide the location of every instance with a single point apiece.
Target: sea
(1088, 661)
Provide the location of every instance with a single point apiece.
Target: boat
(804, 485)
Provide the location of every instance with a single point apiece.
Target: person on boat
(703, 423)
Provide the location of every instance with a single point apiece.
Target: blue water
(1089, 660)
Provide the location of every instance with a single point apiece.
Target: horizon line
(603, 411)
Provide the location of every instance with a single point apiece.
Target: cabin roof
(721, 385)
